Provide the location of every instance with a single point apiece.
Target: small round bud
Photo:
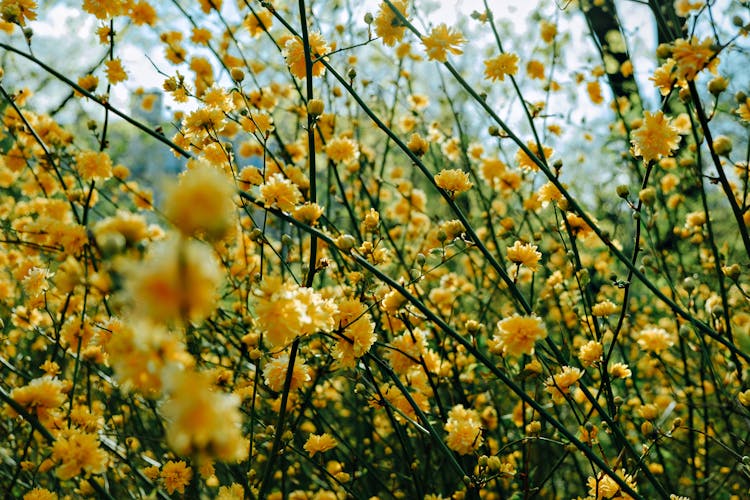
(647, 196)
(419, 260)
(717, 85)
(689, 284)
(493, 131)
(352, 73)
(368, 18)
(441, 236)
(315, 107)
(732, 272)
(722, 145)
(286, 240)
(237, 74)
(623, 191)
(740, 97)
(738, 22)
(664, 51)
(647, 428)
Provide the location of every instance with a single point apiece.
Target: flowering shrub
(365, 283)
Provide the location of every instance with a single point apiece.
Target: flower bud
(315, 107)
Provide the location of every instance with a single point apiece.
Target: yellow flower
(276, 369)
(40, 494)
(142, 13)
(604, 487)
(387, 26)
(524, 254)
(342, 150)
(78, 451)
(691, 56)
(258, 22)
(464, 429)
(665, 77)
(201, 203)
(286, 310)
(294, 52)
(442, 40)
(498, 67)
(518, 334)
(233, 492)
(526, 162)
(279, 192)
(201, 419)
(39, 397)
(655, 138)
(548, 31)
(535, 69)
(319, 443)
(455, 181)
(559, 384)
(138, 353)
(176, 475)
(619, 370)
(93, 165)
(178, 279)
(744, 110)
(655, 339)
(115, 72)
(357, 331)
(604, 308)
(417, 145)
(88, 82)
(18, 11)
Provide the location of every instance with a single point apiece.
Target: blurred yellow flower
(319, 443)
(498, 67)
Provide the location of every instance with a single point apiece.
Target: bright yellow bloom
(115, 72)
(455, 181)
(276, 369)
(464, 429)
(691, 56)
(201, 203)
(559, 385)
(76, 452)
(294, 52)
(526, 162)
(176, 475)
(357, 331)
(518, 334)
(40, 494)
(387, 26)
(142, 13)
(286, 310)
(319, 443)
(39, 397)
(604, 487)
(279, 192)
(590, 352)
(655, 138)
(94, 165)
(619, 370)
(442, 40)
(524, 254)
(18, 11)
(342, 150)
(498, 67)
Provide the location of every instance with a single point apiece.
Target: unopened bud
(315, 107)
